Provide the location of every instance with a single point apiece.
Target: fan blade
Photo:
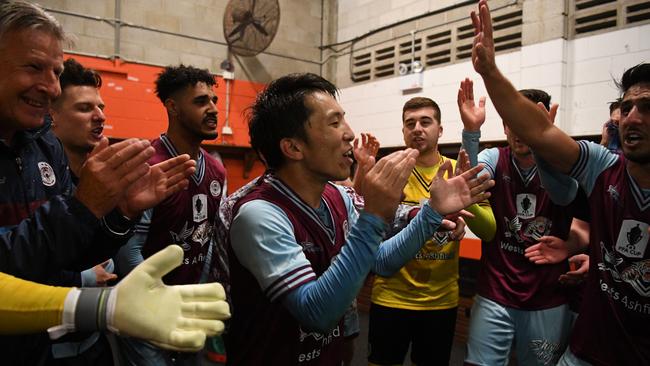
(238, 29)
(259, 27)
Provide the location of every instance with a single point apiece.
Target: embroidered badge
(47, 174)
(215, 188)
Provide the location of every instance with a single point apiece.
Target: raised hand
(110, 171)
(472, 115)
(579, 264)
(452, 195)
(549, 250)
(172, 317)
(162, 180)
(483, 46)
(369, 147)
(365, 157)
(382, 183)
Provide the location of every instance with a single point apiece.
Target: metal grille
(435, 46)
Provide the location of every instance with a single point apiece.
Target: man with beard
(187, 217)
(612, 328)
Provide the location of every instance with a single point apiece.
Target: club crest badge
(47, 174)
(215, 188)
(526, 205)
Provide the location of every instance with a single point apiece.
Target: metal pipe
(117, 26)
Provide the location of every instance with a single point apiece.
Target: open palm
(471, 114)
(162, 180)
(452, 195)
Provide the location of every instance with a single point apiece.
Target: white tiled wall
(578, 74)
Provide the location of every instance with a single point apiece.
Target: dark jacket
(43, 228)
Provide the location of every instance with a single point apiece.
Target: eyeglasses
(642, 105)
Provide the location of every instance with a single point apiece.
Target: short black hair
(615, 105)
(75, 74)
(421, 102)
(175, 78)
(536, 96)
(280, 112)
(635, 75)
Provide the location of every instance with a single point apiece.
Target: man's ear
(291, 148)
(440, 131)
(172, 108)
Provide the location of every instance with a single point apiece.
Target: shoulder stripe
(581, 164)
(291, 280)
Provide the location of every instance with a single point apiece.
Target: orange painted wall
(133, 110)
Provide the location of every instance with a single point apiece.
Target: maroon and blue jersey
(262, 331)
(187, 217)
(612, 328)
(524, 213)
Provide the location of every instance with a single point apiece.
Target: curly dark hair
(280, 112)
(175, 78)
(75, 74)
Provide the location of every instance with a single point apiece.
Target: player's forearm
(320, 304)
(395, 252)
(484, 225)
(531, 124)
(28, 307)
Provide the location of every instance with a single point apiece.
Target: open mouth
(349, 155)
(632, 138)
(210, 122)
(97, 132)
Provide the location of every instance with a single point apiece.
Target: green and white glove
(172, 317)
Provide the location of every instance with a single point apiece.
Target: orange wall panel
(470, 248)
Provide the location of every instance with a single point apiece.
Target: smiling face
(327, 150)
(634, 128)
(421, 129)
(79, 118)
(196, 108)
(31, 61)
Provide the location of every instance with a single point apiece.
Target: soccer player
(615, 314)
